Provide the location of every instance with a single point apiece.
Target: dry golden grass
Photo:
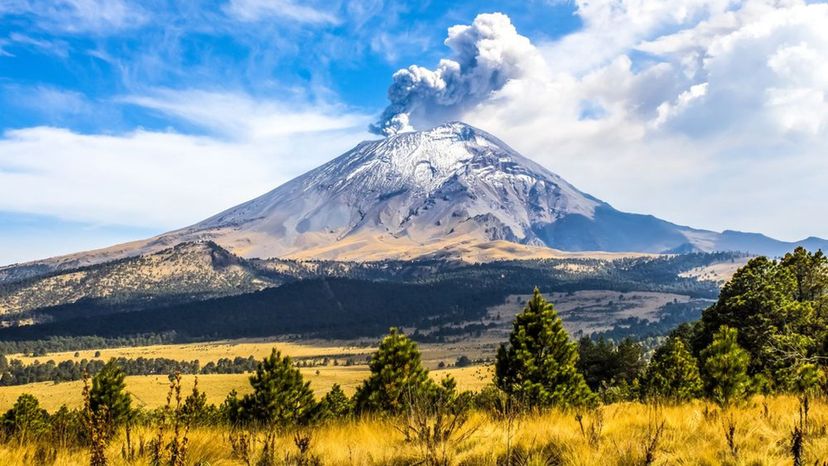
(259, 348)
(151, 390)
(693, 435)
(210, 351)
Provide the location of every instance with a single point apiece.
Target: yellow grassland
(150, 391)
(208, 351)
(693, 434)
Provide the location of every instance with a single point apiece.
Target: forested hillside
(348, 300)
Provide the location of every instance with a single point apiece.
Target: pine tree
(195, 408)
(810, 271)
(335, 404)
(397, 375)
(26, 419)
(725, 368)
(538, 366)
(673, 373)
(108, 395)
(280, 395)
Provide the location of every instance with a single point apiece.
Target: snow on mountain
(428, 192)
(412, 189)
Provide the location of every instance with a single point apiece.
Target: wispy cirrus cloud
(260, 10)
(239, 116)
(57, 47)
(78, 16)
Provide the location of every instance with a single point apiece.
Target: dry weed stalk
(176, 448)
(593, 429)
(655, 429)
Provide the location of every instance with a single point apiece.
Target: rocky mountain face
(421, 190)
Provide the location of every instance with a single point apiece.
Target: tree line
(15, 372)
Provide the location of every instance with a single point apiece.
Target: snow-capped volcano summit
(412, 189)
(447, 190)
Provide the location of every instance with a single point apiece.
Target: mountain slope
(448, 185)
(186, 272)
(441, 191)
(450, 192)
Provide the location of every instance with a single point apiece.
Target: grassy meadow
(213, 351)
(150, 391)
(618, 434)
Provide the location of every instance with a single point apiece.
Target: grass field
(259, 348)
(621, 435)
(211, 351)
(151, 390)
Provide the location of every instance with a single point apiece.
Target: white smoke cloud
(487, 54)
(719, 106)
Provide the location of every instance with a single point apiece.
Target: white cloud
(708, 113)
(240, 117)
(48, 100)
(166, 180)
(55, 47)
(258, 10)
(79, 16)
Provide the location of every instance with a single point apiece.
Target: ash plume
(486, 55)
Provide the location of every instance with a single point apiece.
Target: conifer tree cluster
(767, 332)
(780, 309)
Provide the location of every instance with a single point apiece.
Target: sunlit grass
(150, 391)
(693, 434)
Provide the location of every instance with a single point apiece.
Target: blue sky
(122, 119)
(62, 68)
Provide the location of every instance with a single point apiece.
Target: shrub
(26, 419)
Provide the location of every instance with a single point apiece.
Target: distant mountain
(450, 192)
(184, 273)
